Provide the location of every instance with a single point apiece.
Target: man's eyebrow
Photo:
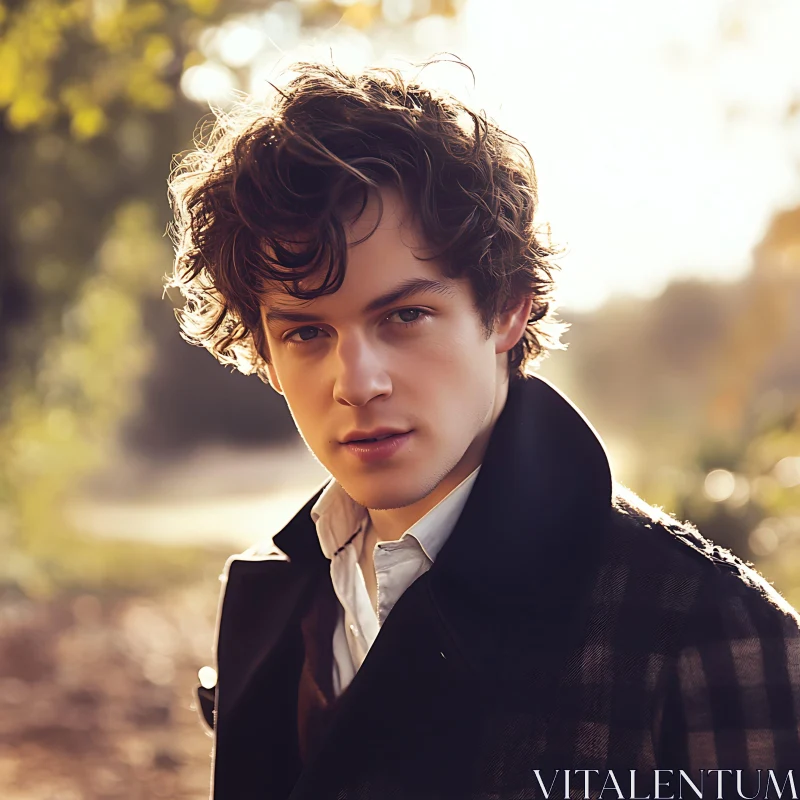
(285, 315)
(407, 288)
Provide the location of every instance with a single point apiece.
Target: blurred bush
(94, 107)
(697, 393)
(90, 101)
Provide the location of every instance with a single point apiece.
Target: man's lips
(370, 451)
(377, 434)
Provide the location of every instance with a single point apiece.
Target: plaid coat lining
(691, 661)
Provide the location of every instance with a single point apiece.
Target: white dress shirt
(341, 523)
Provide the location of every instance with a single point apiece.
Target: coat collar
(545, 474)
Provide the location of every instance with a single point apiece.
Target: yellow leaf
(202, 7)
(144, 16)
(158, 51)
(10, 68)
(360, 15)
(88, 122)
(193, 59)
(28, 109)
(146, 91)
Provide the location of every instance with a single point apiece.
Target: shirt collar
(339, 518)
(433, 529)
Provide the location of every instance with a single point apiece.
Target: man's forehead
(383, 234)
(278, 293)
(280, 298)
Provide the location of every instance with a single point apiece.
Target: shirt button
(354, 630)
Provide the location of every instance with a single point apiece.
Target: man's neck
(372, 538)
(389, 524)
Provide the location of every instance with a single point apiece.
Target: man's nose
(361, 373)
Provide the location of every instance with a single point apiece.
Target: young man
(470, 607)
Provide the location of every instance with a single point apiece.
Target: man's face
(421, 365)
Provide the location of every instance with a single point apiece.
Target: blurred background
(667, 142)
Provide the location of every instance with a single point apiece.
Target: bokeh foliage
(705, 378)
(91, 117)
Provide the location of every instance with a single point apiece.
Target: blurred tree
(754, 417)
(700, 387)
(745, 495)
(760, 332)
(92, 113)
(665, 374)
(91, 118)
(744, 487)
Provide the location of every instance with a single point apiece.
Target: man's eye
(302, 338)
(418, 315)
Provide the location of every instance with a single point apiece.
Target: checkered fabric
(690, 661)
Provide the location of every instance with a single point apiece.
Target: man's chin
(380, 495)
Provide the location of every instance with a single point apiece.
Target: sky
(646, 170)
(658, 129)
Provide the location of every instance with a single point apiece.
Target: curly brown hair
(263, 200)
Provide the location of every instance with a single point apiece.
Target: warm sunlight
(657, 128)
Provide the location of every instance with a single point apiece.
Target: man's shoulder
(719, 584)
(269, 548)
(248, 559)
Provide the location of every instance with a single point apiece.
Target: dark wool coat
(564, 625)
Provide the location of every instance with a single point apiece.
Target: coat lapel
(410, 720)
(511, 578)
(529, 535)
(260, 654)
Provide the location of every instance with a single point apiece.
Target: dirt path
(96, 696)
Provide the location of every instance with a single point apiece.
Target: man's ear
(511, 323)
